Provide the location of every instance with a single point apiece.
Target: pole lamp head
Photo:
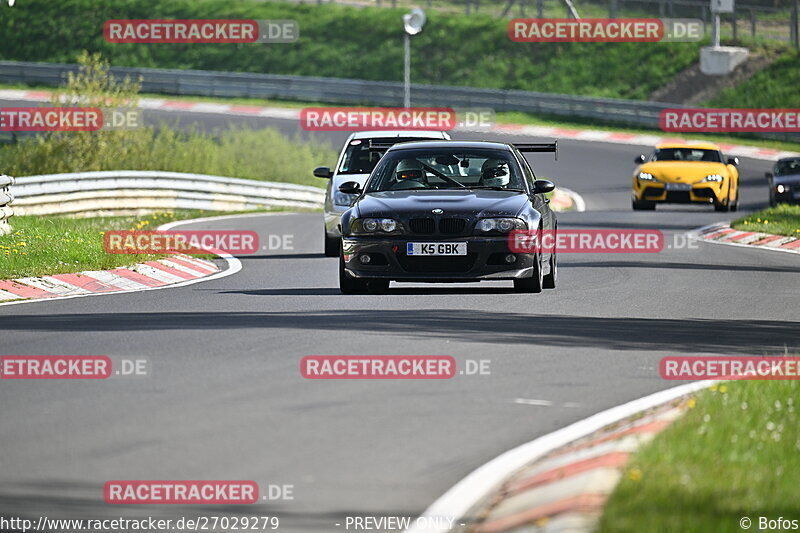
(414, 21)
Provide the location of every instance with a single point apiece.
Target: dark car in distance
(443, 211)
(784, 181)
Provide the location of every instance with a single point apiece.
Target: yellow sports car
(686, 173)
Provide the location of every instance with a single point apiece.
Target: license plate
(796, 194)
(436, 248)
(677, 186)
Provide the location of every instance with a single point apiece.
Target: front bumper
(790, 195)
(704, 193)
(484, 260)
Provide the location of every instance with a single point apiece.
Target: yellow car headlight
(714, 178)
(646, 176)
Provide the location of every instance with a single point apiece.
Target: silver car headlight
(500, 225)
(340, 198)
(371, 226)
(646, 176)
(714, 178)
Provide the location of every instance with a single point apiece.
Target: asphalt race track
(226, 399)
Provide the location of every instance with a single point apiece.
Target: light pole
(412, 23)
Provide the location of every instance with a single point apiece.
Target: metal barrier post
(6, 212)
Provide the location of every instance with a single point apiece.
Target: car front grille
(437, 264)
(452, 226)
(704, 192)
(679, 197)
(422, 226)
(653, 192)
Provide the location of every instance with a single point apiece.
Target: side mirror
(350, 187)
(733, 161)
(543, 186)
(323, 172)
(640, 159)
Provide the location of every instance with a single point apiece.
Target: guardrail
(5, 199)
(124, 192)
(347, 91)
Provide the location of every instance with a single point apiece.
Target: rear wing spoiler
(538, 147)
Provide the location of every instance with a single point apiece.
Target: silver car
(356, 161)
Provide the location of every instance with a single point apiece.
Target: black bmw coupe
(444, 211)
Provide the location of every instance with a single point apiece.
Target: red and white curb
(722, 233)
(567, 489)
(477, 492)
(752, 152)
(177, 271)
(516, 129)
(150, 274)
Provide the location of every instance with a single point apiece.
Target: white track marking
(468, 492)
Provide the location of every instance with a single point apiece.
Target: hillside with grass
(349, 42)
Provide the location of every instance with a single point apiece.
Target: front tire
(534, 283)
(332, 245)
(347, 284)
(549, 281)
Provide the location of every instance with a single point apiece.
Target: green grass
(454, 49)
(783, 219)
(735, 454)
(774, 87)
(40, 245)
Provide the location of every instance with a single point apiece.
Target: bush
(254, 154)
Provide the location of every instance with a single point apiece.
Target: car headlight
(366, 226)
(714, 178)
(340, 198)
(781, 188)
(501, 225)
(646, 176)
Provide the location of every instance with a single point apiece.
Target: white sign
(722, 6)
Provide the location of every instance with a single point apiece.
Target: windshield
(785, 168)
(446, 168)
(687, 154)
(359, 159)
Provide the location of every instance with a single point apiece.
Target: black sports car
(444, 211)
(784, 181)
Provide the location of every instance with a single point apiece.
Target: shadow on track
(692, 335)
(677, 266)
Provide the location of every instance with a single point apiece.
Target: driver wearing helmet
(494, 173)
(409, 173)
